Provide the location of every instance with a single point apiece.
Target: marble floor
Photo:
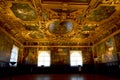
(60, 77)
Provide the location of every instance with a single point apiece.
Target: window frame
(14, 52)
(79, 62)
(44, 57)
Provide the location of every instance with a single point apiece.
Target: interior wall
(117, 45)
(59, 55)
(6, 44)
(107, 56)
(29, 56)
(108, 51)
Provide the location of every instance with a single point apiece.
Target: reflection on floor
(60, 77)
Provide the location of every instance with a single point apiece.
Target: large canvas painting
(30, 56)
(60, 56)
(6, 44)
(117, 42)
(117, 45)
(110, 54)
(87, 55)
(100, 50)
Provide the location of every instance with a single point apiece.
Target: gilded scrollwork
(76, 21)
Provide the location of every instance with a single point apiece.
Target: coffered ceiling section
(23, 11)
(63, 21)
(101, 13)
(59, 28)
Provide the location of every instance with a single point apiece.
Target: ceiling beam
(10, 36)
(107, 37)
(56, 46)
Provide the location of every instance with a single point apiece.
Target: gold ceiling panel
(23, 11)
(58, 22)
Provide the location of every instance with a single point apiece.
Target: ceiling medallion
(60, 27)
(57, 30)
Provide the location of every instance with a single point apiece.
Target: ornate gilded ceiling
(60, 27)
(23, 11)
(101, 13)
(59, 22)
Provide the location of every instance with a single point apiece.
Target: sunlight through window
(44, 58)
(14, 56)
(76, 58)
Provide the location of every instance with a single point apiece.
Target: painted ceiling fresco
(49, 21)
(58, 27)
(36, 35)
(101, 13)
(82, 35)
(44, 15)
(33, 34)
(24, 11)
(31, 27)
(89, 28)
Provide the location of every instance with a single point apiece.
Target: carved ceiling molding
(55, 44)
(26, 29)
(14, 39)
(112, 26)
(111, 1)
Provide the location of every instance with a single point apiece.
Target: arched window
(14, 56)
(43, 58)
(76, 58)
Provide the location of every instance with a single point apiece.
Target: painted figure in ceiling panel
(24, 11)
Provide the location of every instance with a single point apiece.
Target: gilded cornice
(92, 20)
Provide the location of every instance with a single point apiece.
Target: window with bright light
(44, 58)
(76, 58)
(14, 56)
